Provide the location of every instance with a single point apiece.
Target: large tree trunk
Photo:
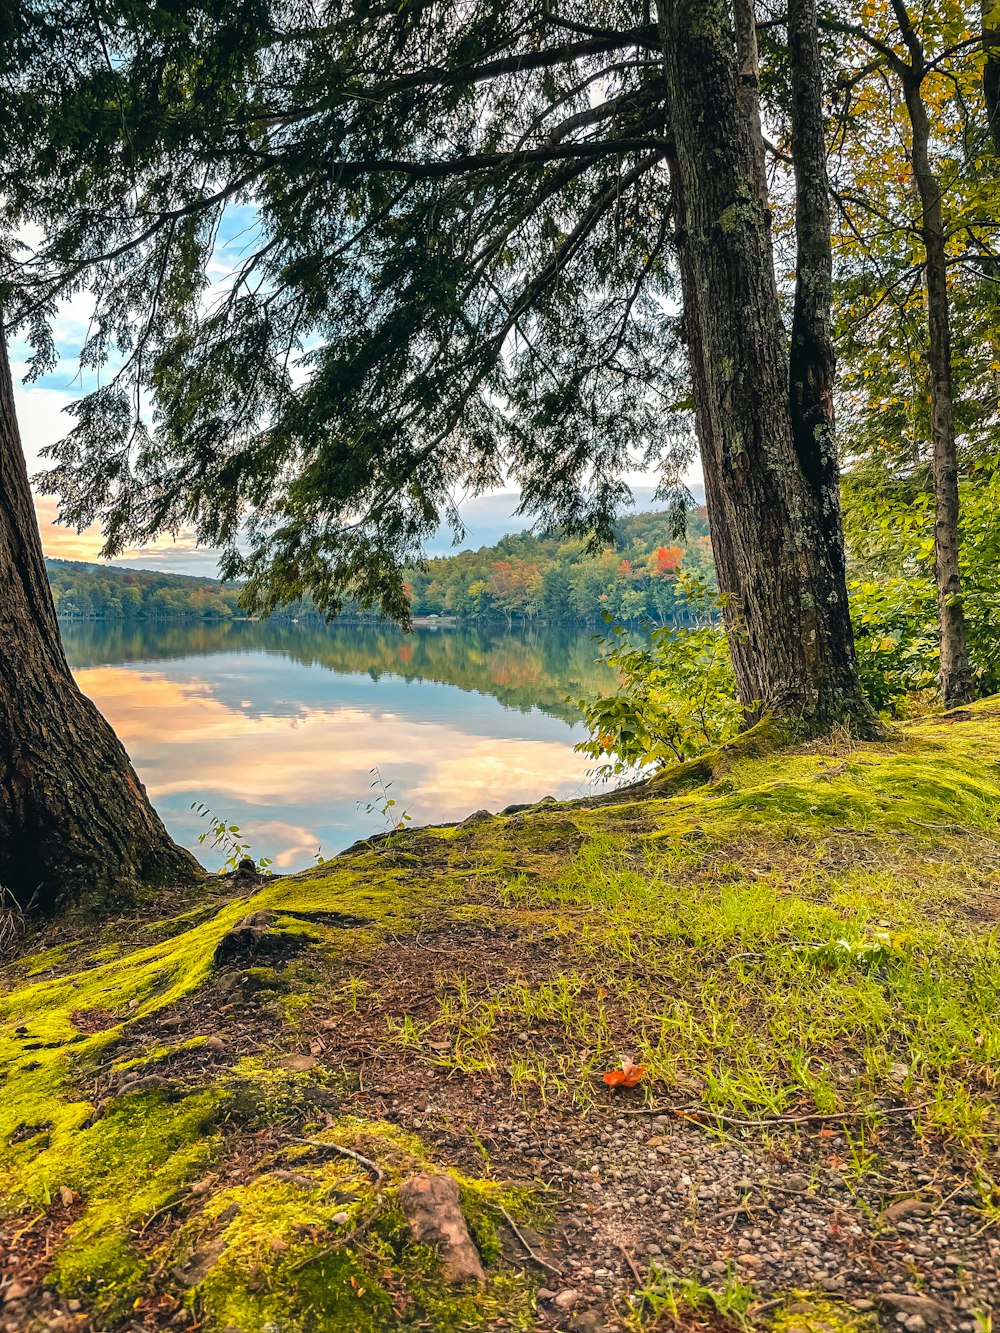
(779, 566)
(957, 686)
(75, 821)
(991, 66)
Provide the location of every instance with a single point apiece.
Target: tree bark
(957, 685)
(991, 66)
(813, 361)
(75, 821)
(780, 568)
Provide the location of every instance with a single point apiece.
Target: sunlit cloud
(189, 745)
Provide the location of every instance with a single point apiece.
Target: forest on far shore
(524, 577)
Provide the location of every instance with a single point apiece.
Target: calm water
(277, 727)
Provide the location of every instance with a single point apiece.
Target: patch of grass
(668, 1295)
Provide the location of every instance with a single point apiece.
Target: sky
(40, 407)
(42, 420)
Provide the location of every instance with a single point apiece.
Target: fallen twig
(755, 1310)
(341, 1151)
(542, 1263)
(631, 1263)
(699, 1114)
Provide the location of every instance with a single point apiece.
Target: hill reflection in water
(276, 726)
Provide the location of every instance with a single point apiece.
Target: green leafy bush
(889, 524)
(677, 693)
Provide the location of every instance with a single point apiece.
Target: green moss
(159, 1054)
(810, 1312)
(45, 959)
(132, 1162)
(281, 1253)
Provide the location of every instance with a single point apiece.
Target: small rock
(903, 1208)
(796, 1181)
(298, 1064)
(16, 1292)
(931, 1311)
(587, 1321)
(432, 1207)
(565, 1300)
(214, 1044)
(915, 1323)
(544, 1294)
(340, 1219)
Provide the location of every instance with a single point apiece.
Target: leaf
(627, 1077)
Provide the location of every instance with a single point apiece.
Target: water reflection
(276, 727)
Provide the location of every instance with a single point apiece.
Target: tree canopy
(444, 232)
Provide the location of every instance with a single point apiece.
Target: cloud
(43, 421)
(295, 782)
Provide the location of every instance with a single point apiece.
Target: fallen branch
(341, 1151)
(698, 1114)
(537, 1258)
(631, 1263)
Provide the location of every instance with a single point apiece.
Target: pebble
(565, 1300)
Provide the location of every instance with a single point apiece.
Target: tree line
(545, 244)
(548, 577)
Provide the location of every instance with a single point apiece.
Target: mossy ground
(813, 935)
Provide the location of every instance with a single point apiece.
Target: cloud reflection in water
(285, 748)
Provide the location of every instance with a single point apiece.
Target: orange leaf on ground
(626, 1077)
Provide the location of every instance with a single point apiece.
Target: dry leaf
(626, 1077)
(66, 1195)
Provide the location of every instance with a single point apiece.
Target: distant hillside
(554, 577)
(102, 592)
(523, 577)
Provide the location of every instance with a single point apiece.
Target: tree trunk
(75, 821)
(779, 567)
(991, 67)
(813, 362)
(957, 686)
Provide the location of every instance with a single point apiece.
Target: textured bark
(432, 1205)
(779, 567)
(957, 686)
(74, 819)
(748, 88)
(991, 66)
(813, 362)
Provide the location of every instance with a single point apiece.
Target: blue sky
(41, 404)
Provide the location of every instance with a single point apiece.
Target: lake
(276, 727)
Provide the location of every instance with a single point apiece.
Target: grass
(748, 992)
(816, 934)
